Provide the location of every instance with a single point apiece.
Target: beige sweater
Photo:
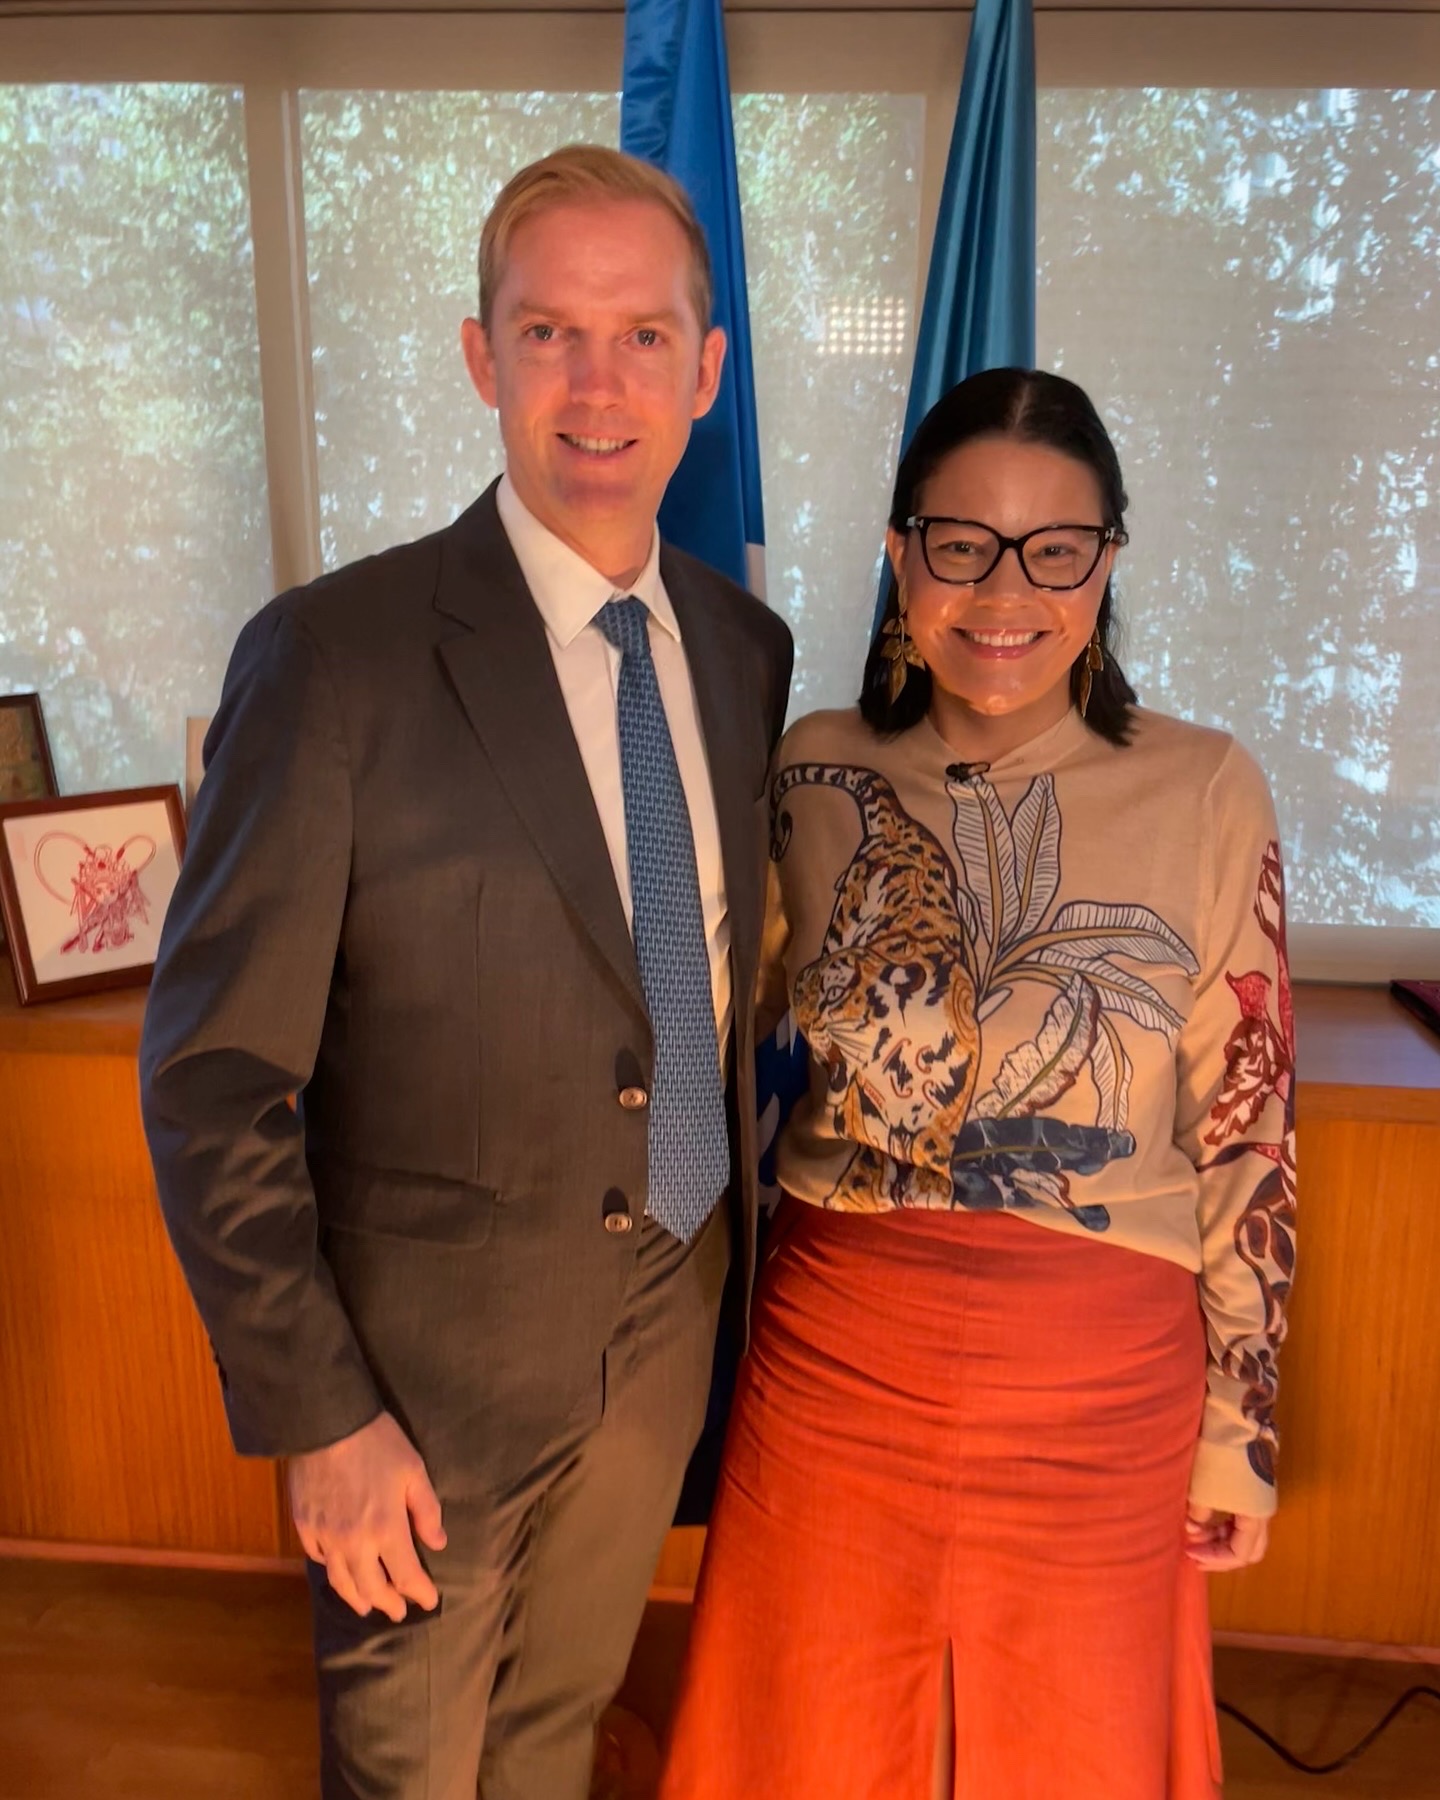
(1057, 985)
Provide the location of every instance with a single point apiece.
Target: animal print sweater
(1055, 984)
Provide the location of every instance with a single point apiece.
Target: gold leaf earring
(899, 648)
(1094, 663)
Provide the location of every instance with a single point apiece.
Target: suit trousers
(542, 1585)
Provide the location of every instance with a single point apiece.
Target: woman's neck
(986, 737)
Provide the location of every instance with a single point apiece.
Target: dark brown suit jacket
(398, 902)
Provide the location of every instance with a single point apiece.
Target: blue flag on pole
(675, 113)
(980, 292)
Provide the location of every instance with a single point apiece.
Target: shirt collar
(567, 591)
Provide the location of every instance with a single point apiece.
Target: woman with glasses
(1010, 1389)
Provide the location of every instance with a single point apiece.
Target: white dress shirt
(568, 593)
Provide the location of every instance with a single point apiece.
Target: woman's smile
(1004, 644)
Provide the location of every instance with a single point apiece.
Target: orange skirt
(956, 1428)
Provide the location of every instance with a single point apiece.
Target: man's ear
(712, 361)
(475, 347)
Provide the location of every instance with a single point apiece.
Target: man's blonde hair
(581, 172)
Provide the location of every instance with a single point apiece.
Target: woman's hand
(1218, 1541)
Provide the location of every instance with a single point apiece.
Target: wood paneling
(679, 1563)
(1354, 1547)
(113, 1426)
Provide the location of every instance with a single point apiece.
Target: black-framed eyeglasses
(1056, 557)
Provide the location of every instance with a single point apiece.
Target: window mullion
(282, 304)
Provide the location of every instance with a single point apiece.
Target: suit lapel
(504, 675)
(727, 714)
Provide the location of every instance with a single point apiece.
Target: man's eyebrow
(664, 315)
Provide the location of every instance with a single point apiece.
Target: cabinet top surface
(106, 1024)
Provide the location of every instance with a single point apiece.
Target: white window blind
(397, 186)
(134, 533)
(1246, 283)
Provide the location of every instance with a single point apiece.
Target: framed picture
(26, 771)
(84, 884)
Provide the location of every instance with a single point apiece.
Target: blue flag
(675, 113)
(980, 292)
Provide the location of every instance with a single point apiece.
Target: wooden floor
(142, 1684)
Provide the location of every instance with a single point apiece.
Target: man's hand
(1218, 1541)
(353, 1502)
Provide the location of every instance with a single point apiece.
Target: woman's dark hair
(1031, 407)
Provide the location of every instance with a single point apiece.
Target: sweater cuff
(1223, 1480)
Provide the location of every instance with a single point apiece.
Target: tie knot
(625, 623)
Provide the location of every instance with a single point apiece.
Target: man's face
(596, 363)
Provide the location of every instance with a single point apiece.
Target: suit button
(616, 1212)
(633, 1098)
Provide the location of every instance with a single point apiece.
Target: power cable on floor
(1340, 1762)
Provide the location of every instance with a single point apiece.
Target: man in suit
(477, 872)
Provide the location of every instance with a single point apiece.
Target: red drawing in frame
(104, 878)
(105, 893)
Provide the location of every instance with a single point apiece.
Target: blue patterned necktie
(689, 1144)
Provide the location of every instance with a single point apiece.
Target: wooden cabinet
(1353, 1554)
(116, 1440)
(113, 1427)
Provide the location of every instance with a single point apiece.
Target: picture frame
(85, 882)
(27, 770)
